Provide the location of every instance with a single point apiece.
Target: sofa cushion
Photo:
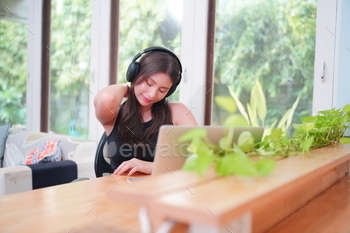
(49, 151)
(13, 156)
(48, 174)
(4, 131)
(27, 141)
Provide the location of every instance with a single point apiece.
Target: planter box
(239, 204)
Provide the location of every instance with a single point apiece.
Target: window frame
(33, 96)
(197, 36)
(332, 52)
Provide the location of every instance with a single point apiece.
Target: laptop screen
(170, 155)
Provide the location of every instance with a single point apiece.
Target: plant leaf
(194, 133)
(227, 103)
(243, 165)
(292, 110)
(239, 105)
(252, 115)
(265, 166)
(276, 133)
(204, 161)
(199, 162)
(307, 126)
(258, 101)
(286, 119)
(344, 140)
(246, 141)
(235, 120)
(346, 108)
(190, 163)
(305, 145)
(225, 144)
(224, 164)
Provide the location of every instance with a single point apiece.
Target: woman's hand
(134, 165)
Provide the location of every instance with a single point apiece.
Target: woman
(132, 127)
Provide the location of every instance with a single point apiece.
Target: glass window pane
(13, 71)
(269, 41)
(148, 23)
(70, 66)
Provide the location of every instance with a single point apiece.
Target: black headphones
(134, 67)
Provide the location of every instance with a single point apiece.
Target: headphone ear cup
(132, 71)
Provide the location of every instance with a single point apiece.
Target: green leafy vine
(246, 158)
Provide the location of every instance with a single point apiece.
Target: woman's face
(153, 89)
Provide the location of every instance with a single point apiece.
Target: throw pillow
(47, 152)
(4, 132)
(12, 156)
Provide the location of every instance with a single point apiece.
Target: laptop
(170, 155)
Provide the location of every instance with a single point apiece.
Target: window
(269, 41)
(13, 63)
(236, 64)
(152, 23)
(70, 67)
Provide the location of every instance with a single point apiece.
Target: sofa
(32, 160)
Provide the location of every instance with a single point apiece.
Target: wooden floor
(327, 213)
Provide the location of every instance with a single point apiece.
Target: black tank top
(119, 153)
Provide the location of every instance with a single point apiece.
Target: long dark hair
(129, 123)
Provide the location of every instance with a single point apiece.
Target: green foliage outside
(272, 42)
(144, 24)
(13, 72)
(269, 41)
(70, 67)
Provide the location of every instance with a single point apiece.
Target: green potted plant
(246, 158)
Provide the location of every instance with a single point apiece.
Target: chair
(101, 165)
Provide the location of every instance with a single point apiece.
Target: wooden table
(83, 206)
(328, 212)
(245, 204)
(196, 204)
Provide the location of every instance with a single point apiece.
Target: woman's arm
(181, 114)
(107, 103)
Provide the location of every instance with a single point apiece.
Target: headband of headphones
(134, 67)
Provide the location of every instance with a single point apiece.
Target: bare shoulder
(181, 114)
(177, 106)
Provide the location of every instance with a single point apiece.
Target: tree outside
(70, 67)
(13, 72)
(273, 42)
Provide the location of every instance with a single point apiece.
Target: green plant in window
(255, 112)
(246, 158)
(325, 128)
